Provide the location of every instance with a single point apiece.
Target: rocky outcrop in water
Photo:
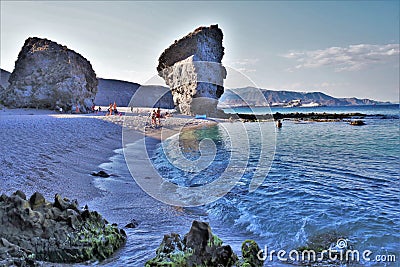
(36, 230)
(192, 69)
(200, 247)
(49, 75)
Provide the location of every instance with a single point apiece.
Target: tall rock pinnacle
(192, 68)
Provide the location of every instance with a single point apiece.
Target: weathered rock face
(49, 75)
(200, 247)
(34, 229)
(192, 68)
(4, 76)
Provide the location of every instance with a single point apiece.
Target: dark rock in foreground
(326, 249)
(200, 247)
(48, 75)
(37, 230)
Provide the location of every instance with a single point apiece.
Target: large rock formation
(192, 68)
(49, 75)
(36, 230)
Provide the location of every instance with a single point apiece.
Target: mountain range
(252, 96)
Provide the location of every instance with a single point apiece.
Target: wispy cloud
(308, 86)
(244, 65)
(351, 58)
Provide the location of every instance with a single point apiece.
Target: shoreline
(42, 147)
(50, 154)
(56, 153)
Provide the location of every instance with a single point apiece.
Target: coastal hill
(285, 98)
(121, 92)
(110, 90)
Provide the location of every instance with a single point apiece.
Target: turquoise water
(325, 177)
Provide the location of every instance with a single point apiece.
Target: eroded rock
(200, 247)
(56, 232)
(192, 69)
(49, 75)
(132, 224)
(36, 200)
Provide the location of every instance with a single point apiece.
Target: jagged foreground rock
(192, 68)
(35, 229)
(49, 75)
(200, 247)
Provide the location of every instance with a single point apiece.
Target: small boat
(201, 117)
(357, 123)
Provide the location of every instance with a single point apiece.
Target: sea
(314, 178)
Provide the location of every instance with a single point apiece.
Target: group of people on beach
(112, 109)
(156, 117)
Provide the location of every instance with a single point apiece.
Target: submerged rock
(49, 75)
(132, 224)
(357, 123)
(192, 69)
(102, 174)
(200, 247)
(37, 230)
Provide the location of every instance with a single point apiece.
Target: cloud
(308, 86)
(351, 58)
(244, 65)
(329, 84)
(246, 70)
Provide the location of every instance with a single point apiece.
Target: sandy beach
(53, 153)
(50, 152)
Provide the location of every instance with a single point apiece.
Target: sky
(343, 48)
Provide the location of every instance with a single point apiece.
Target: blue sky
(341, 48)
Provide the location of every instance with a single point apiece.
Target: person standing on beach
(110, 108)
(115, 109)
(158, 116)
(153, 118)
